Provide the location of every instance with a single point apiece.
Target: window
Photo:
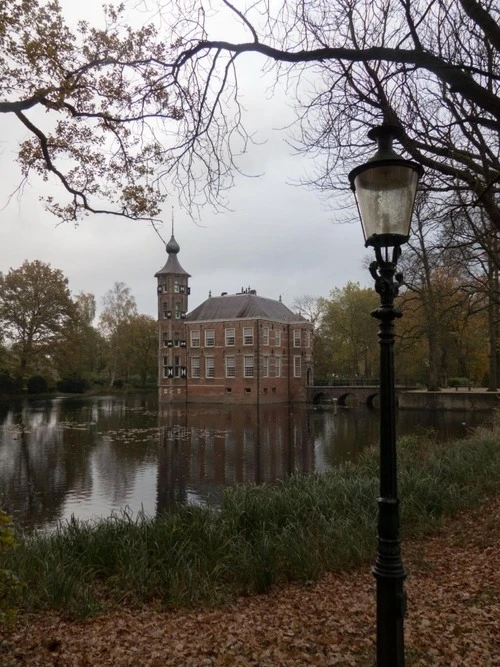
(209, 367)
(195, 339)
(230, 367)
(297, 338)
(177, 340)
(297, 367)
(247, 336)
(230, 334)
(248, 366)
(277, 367)
(308, 338)
(209, 338)
(165, 340)
(277, 338)
(176, 287)
(265, 336)
(265, 366)
(177, 367)
(166, 372)
(195, 367)
(167, 313)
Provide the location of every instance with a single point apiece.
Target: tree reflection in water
(93, 456)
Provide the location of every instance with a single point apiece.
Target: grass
(261, 536)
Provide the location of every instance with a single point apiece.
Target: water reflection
(66, 456)
(90, 457)
(204, 449)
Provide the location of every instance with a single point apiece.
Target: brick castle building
(234, 348)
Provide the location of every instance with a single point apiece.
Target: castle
(233, 348)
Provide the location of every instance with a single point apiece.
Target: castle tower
(173, 291)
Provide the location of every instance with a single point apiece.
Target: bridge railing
(347, 381)
(358, 381)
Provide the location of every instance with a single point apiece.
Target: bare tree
(311, 307)
(128, 111)
(119, 309)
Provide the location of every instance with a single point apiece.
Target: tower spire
(172, 245)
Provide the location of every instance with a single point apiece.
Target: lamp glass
(385, 195)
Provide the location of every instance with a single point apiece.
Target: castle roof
(172, 266)
(243, 306)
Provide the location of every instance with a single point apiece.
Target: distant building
(234, 348)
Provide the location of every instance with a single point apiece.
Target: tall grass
(260, 536)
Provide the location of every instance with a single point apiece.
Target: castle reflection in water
(202, 450)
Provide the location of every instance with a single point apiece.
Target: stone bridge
(345, 394)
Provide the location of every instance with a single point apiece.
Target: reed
(260, 537)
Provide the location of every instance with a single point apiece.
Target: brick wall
(272, 346)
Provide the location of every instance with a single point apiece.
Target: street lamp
(385, 188)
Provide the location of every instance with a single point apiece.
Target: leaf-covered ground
(453, 617)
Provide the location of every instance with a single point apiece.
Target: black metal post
(388, 569)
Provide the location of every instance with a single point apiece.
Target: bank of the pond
(260, 537)
(453, 617)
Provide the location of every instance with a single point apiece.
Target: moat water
(94, 456)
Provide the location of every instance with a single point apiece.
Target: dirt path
(453, 618)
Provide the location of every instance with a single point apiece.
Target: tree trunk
(434, 374)
(113, 372)
(492, 329)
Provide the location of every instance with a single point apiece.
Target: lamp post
(385, 188)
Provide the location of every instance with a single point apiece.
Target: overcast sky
(279, 239)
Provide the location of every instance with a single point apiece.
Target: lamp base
(386, 240)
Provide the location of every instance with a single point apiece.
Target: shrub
(9, 584)
(37, 384)
(73, 385)
(8, 384)
(458, 382)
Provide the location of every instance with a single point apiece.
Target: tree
(35, 307)
(92, 102)
(409, 62)
(443, 331)
(126, 108)
(119, 308)
(475, 246)
(348, 334)
(141, 355)
(81, 353)
(310, 307)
